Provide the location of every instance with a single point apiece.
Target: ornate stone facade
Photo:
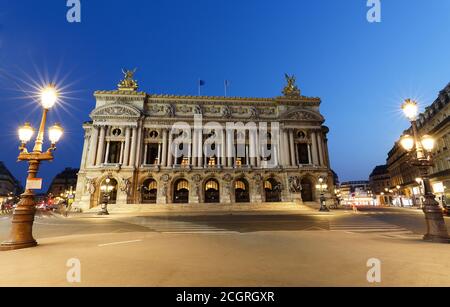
(129, 139)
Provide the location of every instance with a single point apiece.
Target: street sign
(34, 184)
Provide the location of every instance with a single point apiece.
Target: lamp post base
(436, 239)
(104, 210)
(323, 206)
(22, 226)
(10, 246)
(436, 229)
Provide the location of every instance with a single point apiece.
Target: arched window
(149, 191)
(181, 192)
(241, 191)
(212, 193)
(273, 190)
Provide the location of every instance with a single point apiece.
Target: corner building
(129, 137)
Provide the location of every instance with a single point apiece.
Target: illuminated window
(182, 185)
(240, 185)
(212, 185)
(212, 161)
(153, 185)
(268, 185)
(238, 162)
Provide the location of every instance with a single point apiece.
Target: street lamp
(106, 189)
(338, 195)
(420, 149)
(322, 187)
(23, 217)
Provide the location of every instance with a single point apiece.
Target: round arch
(149, 191)
(180, 190)
(211, 190)
(241, 190)
(107, 190)
(272, 189)
(308, 188)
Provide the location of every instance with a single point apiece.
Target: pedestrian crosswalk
(369, 226)
(174, 227)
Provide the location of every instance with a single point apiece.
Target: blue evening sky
(362, 71)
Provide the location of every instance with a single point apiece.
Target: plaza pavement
(117, 251)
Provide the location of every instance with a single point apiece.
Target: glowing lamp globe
(55, 133)
(26, 133)
(410, 109)
(49, 96)
(407, 142)
(428, 143)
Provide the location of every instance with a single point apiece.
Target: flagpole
(199, 87)
(225, 85)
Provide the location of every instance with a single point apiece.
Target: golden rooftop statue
(128, 83)
(291, 89)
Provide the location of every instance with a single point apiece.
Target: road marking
(119, 243)
(200, 232)
(370, 227)
(175, 227)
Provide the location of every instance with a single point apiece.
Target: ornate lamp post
(23, 216)
(106, 190)
(338, 195)
(322, 187)
(420, 149)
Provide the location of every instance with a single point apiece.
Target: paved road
(304, 249)
(388, 221)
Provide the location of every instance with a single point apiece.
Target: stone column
(84, 157)
(194, 148)
(93, 146)
(190, 153)
(200, 148)
(292, 147)
(315, 156)
(159, 153)
(122, 146)
(285, 138)
(223, 149)
(327, 154)
(252, 148)
(320, 149)
(309, 154)
(139, 146)
(230, 149)
(126, 154)
(275, 155)
(144, 160)
(169, 150)
(133, 148)
(164, 149)
(101, 145)
(107, 152)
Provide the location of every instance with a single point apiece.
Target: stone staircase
(189, 208)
